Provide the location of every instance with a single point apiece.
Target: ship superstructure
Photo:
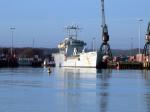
(71, 46)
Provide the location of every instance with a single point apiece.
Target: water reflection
(146, 74)
(146, 77)
(102, 84)
(74, 90)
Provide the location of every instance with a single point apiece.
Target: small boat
(49, 70)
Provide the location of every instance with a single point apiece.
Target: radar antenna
(73, 31)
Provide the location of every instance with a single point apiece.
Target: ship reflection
(80, 85)
(97, 72)
(102, 85)
(85, 89)
(72, 85)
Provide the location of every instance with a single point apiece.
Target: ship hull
(87, 60)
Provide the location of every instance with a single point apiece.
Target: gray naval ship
(72, 51)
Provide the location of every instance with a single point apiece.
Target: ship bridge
(69, 45)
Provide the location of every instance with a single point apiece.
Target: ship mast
(73, 31)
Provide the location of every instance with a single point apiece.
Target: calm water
(74, 90)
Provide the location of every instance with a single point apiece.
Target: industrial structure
(146, 50)
(104, 54)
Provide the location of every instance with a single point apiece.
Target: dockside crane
(146, 50)
(104, 54)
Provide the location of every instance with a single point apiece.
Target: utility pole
(131, 54)
(93, 44)
(140, 20)
(12, 36)
(33, 42)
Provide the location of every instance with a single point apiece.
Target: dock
(128, 65)
(125, 65)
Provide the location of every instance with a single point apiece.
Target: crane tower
(104, 53)
(146, 50)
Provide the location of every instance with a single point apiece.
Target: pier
(125, 65)
(146, 65)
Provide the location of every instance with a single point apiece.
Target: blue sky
(44, 21)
